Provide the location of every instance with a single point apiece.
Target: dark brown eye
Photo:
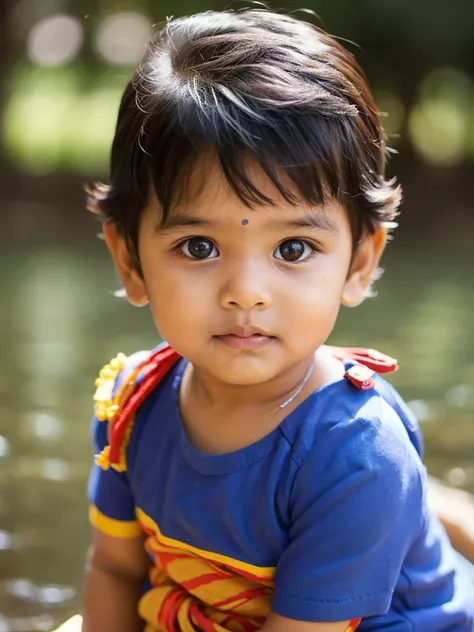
(293, 250)
(199, 248)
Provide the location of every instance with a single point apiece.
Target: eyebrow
(177, 220)
(320, 221)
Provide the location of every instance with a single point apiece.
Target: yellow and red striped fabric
(193, 589)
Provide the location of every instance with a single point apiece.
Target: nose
(245, 289)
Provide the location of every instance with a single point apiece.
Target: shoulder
(343, 427)
(108, 396)
(360, 462)
(123, 387)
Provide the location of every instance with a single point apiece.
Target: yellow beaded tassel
(105, 407)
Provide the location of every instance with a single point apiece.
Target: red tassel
(156, 368)
(378, 362)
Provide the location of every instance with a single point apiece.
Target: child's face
(222, 269)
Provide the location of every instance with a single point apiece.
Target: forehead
(206, 193)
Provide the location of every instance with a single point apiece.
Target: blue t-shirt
(324, 519)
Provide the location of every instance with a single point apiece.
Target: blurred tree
(6, 62)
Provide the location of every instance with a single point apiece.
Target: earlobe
(351, 296)
(364, 268)
(132, 281)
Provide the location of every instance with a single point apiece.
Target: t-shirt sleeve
(112, 505)
(355, 510)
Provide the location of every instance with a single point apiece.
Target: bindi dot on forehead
(245, 222)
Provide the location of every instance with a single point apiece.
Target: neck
(268, 396)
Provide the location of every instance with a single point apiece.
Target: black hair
(247, 86)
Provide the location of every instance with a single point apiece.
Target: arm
(455, 509)
(114, 583)
(355, 509)
(117, 562)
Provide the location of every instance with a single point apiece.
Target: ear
(132, 281)
(363, 268)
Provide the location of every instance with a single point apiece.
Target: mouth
(246, 338)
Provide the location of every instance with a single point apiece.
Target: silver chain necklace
(299, 388)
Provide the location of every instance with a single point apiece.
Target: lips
(245, 337)
(244, 331)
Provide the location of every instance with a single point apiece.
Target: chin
(243, 372)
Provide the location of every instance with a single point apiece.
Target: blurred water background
(63, 64)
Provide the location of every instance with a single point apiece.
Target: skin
(455, 509)
(116, 571)
(230, 397)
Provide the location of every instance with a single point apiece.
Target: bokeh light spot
(121, 38)
(440, 121)
(55, 40)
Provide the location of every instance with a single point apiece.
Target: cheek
(317, 303)
(178, 304)
(322, 286)
(315, 300)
